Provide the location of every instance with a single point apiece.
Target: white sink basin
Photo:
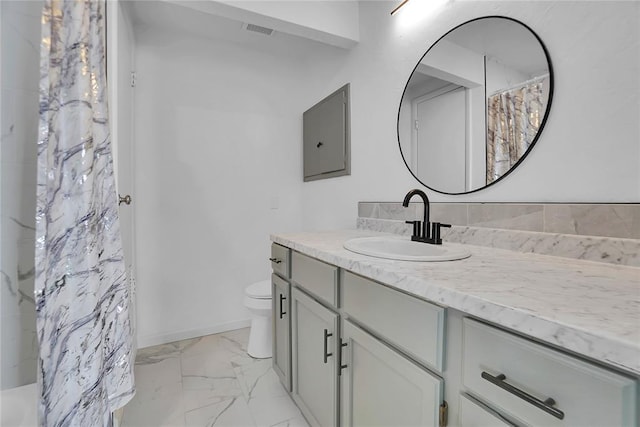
(403, 249)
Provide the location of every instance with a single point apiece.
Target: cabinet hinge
(416, 124)
(444, 409)
(133, 79)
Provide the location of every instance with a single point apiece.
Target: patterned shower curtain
(514, 117)
(82, 293)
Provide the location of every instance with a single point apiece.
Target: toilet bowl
(258, 300)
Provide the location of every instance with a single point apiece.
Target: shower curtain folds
(513, 121)
(83, 297)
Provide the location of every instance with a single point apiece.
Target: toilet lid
(260, 290)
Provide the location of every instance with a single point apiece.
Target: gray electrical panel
(326, 137)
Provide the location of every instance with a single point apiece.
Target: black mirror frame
(542, 124)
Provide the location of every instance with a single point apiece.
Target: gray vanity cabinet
(364, 354)
(314, 359)
(382, 387)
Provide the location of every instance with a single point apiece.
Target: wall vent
(258, 29)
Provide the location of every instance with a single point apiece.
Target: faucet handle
(416, 228)
(436, 232)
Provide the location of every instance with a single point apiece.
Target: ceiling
(220, 21)
(502, 38)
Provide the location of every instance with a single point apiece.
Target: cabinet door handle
(342, 345)
(546, 405)
(282, 298)
(326, 345)
(275, 260)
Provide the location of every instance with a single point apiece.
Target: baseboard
(192, 333)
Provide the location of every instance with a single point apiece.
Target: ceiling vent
(258, 29)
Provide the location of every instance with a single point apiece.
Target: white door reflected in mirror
(440, 134)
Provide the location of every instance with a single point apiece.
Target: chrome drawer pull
(546, 405)
(276, 260)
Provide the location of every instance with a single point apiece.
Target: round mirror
(475, 105)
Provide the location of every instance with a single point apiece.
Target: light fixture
(416, 12)
(394, 11)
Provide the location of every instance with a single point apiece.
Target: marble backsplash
(606, 220)
(595, 232)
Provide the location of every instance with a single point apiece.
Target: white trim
(192, 333)
(111, 44)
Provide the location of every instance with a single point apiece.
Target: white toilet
(258, 300)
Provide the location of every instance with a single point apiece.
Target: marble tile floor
(208, 381)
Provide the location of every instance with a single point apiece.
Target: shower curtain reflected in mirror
(82, 293)
(513, 119)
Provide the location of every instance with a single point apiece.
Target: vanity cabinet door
(314, 369)
(281, 315)
(383, 388)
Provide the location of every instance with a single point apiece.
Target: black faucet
(425, 232)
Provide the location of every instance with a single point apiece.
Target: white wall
(20, 44)
(589, 149)
(218, 167)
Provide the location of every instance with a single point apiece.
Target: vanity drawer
(317, 277)
(517, 376)
(413, 325)
(280, 260)
(474, 415)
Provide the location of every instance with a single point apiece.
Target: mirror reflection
(474, 105)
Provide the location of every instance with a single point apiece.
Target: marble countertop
(589, 308)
